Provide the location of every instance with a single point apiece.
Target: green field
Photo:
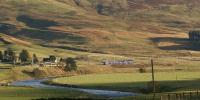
(131, 81)
(26, 93)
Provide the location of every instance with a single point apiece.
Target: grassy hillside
(120, 27)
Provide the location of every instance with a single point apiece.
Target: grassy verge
(26, 93)
(132, 81)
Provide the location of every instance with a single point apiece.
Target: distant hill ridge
(123, 27)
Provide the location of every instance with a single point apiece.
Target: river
(39, 84)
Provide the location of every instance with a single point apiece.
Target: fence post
(135, 98)
(153, 79)
(190, 95)
(177, 98)
(169, 97)
(145, 98)
(183, 96)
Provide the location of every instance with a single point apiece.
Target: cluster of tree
(100, 8)
(70, 64)
(194, 35)
(77, 2)
(9, 56)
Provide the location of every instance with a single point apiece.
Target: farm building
(194, 35)
(50, 64)
(119, 62)
(51, 61)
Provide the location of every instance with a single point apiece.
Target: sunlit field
(131, 81)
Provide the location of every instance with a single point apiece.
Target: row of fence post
(181, 96)
(195, 95)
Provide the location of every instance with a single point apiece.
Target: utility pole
(14, 62)
(153, 79)
(32, 61)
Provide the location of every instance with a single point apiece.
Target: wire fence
(190, 95)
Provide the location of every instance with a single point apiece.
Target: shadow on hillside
(170, 39)
(39, 31)
(4, 27)
(36, 23)
(50, 36)
(181, 43)
(164, 86)
(65, 47)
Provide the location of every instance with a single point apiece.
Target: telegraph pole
(153, 79)
(32, 61)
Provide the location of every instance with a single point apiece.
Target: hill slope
(122, 27)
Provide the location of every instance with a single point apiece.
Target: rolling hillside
(119, 27)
